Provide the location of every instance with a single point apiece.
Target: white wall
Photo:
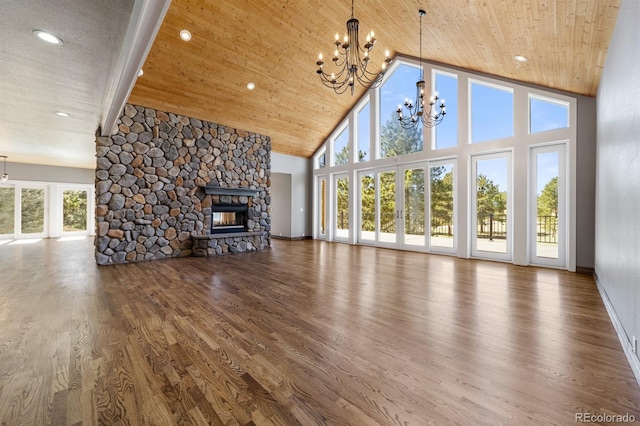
(301, 189)
(281, 205)
(617, 258)
(36, 172)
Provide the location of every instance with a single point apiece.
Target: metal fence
(547, 229)
(491, 226)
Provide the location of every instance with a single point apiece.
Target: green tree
(368, 202)
(343, 203)
(396, 140)
(7, 208)
(548, 199)
(441, 200)
(74, 210)
(32, 210)
(490, 199)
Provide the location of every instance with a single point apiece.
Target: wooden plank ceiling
(275, 45)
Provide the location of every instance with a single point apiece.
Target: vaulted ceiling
(275, 44)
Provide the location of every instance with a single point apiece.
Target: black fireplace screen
(228, 218)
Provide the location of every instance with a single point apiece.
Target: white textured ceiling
(37, 79)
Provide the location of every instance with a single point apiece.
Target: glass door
(367, 207)
(442, 206)
(391, 204)
(548, 206)
(387, 212)
(491, 203)
(74, 210)
(322, 207)
(31, 215)
(412, 213)
(7, 211)
(341, 202)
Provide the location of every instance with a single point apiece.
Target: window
(321, 159)
(547, 216)
(399, 85)
(447, 131)
(367, 207)
(364, 132)
(32, 202)
(491, 112)
(74, 211)
(546, 114)
(442, 205)
(322, 208)
(341, 148)
(342, 207)
(7, 210)
(491, 234)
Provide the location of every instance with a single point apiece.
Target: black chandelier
(350, 66)
(417, 111)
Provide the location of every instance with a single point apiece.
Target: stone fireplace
(168, 185)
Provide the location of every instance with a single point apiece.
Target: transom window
(491, 112)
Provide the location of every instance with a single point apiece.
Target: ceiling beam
(146, 19)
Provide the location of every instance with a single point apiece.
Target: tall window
(447, 131)
(441, 197)
(320, 159)
(367, 207)
(321, 206)
(394, 140)
(491, 219)
(74, 210)
(7, 210)
(547, 217)
(32, 210)
(364, 132)
(491, 112)
(342, 206)
(341, 148)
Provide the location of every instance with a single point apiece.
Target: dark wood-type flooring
(304, 333)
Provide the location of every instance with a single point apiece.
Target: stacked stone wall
(149, 179)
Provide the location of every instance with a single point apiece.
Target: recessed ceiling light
(140, 73)
(185, 35)
(251, 85)
(520, 58)
(63, 114)
(48, 37)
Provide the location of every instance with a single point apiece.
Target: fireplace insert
(228, 218)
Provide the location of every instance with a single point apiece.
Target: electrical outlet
(303, 234)
(635, 345)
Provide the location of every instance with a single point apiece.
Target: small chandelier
(351, 67)
(417, 111)
(5, 176)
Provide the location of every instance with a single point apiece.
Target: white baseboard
(627, 345)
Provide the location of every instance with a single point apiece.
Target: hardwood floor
(304, 333)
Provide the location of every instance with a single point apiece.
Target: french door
(547, 225)
(391, 205)
(491, 221)
(321, 206)
(32, 212)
